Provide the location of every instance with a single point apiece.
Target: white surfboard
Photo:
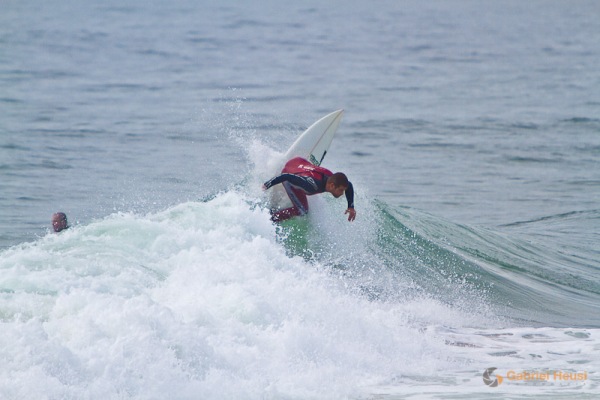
(312, 145)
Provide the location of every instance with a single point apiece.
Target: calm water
(472, 136)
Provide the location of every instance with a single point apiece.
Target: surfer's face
(336, 191)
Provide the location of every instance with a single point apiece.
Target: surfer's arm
(273, 181)
(305, 184)
(350, 195)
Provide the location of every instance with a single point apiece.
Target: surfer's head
(59, 221)
(337, 184)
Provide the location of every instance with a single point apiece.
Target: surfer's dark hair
(338, 179)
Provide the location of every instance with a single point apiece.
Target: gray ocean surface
(471, 127)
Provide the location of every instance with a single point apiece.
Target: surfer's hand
(351, 214)
(264, 187)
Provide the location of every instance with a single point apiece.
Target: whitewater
(209, 299)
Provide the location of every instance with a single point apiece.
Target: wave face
(525, 281)
(210, 300)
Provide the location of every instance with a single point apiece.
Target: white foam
(202, 301)
(198, 299)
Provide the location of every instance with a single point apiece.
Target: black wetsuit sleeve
(308, 185)
(350, 195)
(275, 181)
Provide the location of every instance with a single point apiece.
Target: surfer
(301, 178)
(59, 221)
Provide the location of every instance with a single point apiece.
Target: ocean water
(471, 135)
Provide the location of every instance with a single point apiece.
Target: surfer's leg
(299, 201)
(284, 214)
(298, 198)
